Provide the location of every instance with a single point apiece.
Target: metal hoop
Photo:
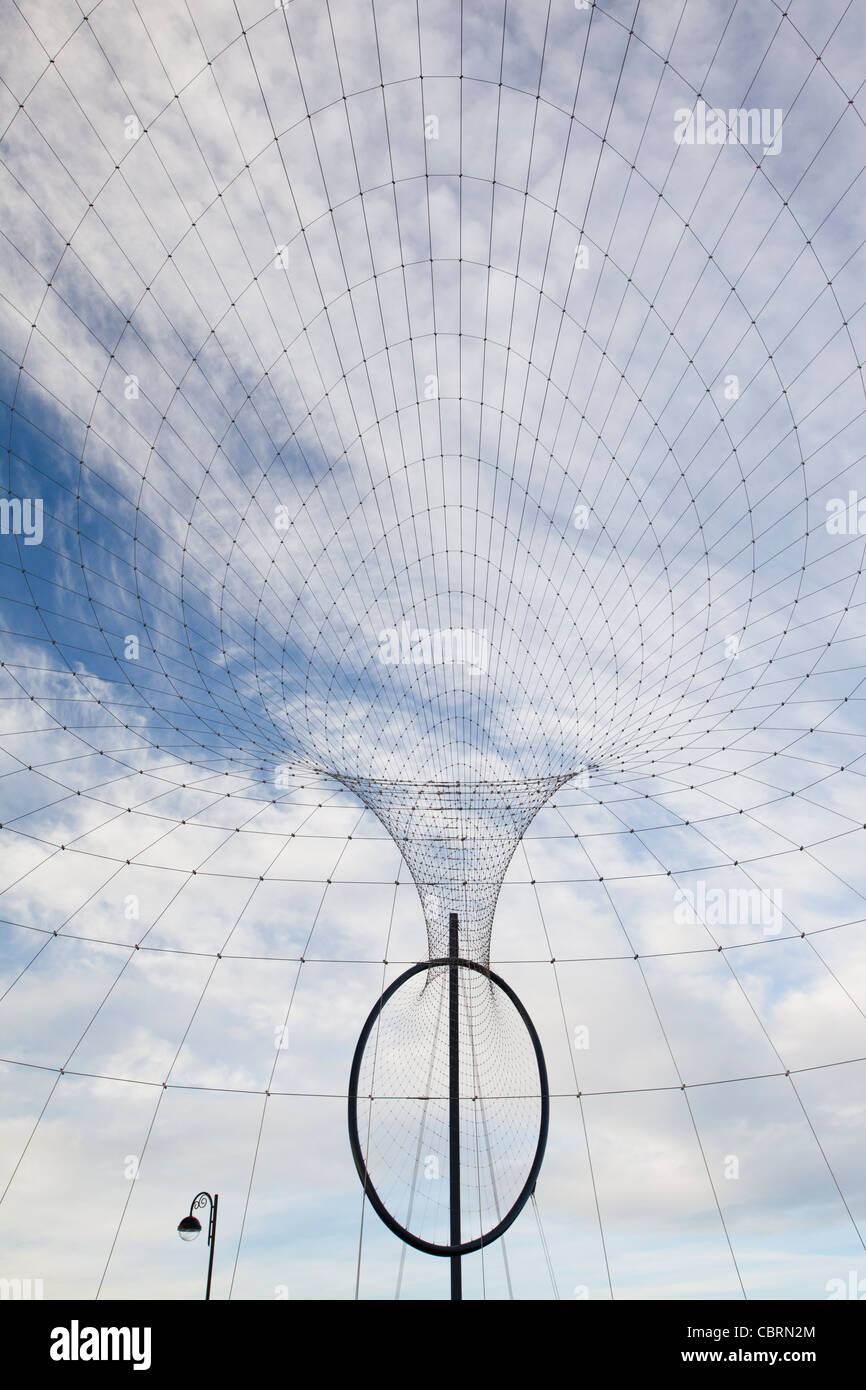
(466, 1247)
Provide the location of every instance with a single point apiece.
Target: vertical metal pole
(211, 1240)
(454, 1103)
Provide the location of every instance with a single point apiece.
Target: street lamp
(190, 1227)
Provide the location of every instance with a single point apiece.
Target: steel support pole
(454, 1102)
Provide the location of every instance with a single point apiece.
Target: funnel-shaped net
(457, 840)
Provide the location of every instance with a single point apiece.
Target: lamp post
(190, 1227)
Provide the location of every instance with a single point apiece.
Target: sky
(439, 489)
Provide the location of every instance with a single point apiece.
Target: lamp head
(189, 1228)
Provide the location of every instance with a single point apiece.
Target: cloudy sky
(333, 332)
